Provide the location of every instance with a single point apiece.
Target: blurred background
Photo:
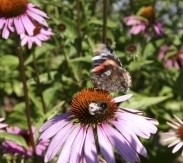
(147, 36)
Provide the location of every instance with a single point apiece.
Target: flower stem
(38, 82)
(27, 109)
(105, 5)
(79, 27)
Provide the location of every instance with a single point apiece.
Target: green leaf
(133, 66)
(142, 102)
(9, 60)
(19, 140)
(50, 113)
(110, 24)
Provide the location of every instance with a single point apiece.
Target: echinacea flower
(95, 119)
(176, 135)
(142, 22)
(40, 34)
(141, 25)
(11, 147)
(19, 16)
(172, 57)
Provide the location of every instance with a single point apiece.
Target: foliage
(64, 64)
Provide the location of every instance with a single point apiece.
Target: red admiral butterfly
(108, 73)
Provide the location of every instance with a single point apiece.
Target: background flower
(176, 135)
(11, 147)
(40, 35)
(143, 21)
(171, 56)
(18, 16)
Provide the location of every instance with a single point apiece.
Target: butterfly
(107, 70)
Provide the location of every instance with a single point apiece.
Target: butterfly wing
(108, 73)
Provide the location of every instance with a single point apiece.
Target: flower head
(40, 34)
(171, 57)
(95, 119)
(13, 148)
(19, 16)
(142, 22)
(176, 135)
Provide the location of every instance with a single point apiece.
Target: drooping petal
(90, 150)
(122, 98)
(174, 142)
(28, 25)
(178, 119)
(54, 129)
(66, 149)
(177, 147)
(130, 137)
(38, 18)
(105, 146)
(120, 143)
(58, 141)
(77, 147)
(53, 120)
(137, 123)
(36, 10)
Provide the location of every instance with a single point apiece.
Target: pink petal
(105, 146)
(37, 17)
(53, 120)
(131, 137)
(36, 10)
(6, 32)
(28, 25)
(90, 150)
(177, 147)
(122, 98)
(77, 147)
(19, 26)
(54, 129)
(120, 143)
(58, 141)
(66, 149)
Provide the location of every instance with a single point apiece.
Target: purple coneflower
(171, 57)
(141, 25)
(10, 147)
(142, 22)
(40, 34)
(95, 119)
(176, 135)
(19, 16)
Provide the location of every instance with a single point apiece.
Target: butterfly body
(108, 73)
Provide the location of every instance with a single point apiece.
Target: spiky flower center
(180, 132)
(12, 8)
(93, 106)
(131, 48)
(37, 30)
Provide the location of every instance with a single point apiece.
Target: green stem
(27, 109)
(39, 83)
(105, 5)
(79, 27)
